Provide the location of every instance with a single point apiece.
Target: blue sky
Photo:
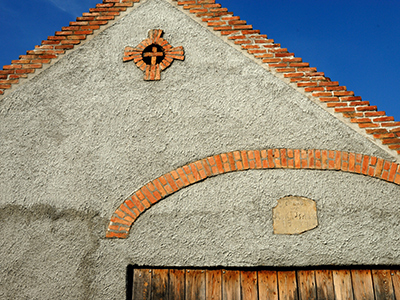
(354, 42)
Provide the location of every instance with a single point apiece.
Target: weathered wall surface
(84, 134)
(47, 254)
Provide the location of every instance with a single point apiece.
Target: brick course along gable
(351, 109)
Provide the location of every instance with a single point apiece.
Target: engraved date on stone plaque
(294, 215)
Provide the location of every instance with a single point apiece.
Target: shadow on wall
(47, 253)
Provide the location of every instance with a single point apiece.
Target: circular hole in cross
(153, 54)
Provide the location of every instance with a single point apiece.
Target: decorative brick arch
(171, 182)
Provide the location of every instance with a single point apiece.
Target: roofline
(357, 114)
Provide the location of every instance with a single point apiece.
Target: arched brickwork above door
(169, 183)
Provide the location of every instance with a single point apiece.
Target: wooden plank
(342, 285)
(383, 286)
(396, 282)
(159, 284)
(141, 284)
(267, 285)
(287, 285)
(214, 284)
(324, 282)
(248, 282)
(176, 289)
(230, 285)
(195, 285)
(306, 283)
(362, 284)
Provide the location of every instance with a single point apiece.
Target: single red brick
(227, 32)
(70, 42)
(385, 135)
(299, 64)
(324, 159)
(76, 37)
(366, 108)
(307, 69)
(250, 31)
(331, 99)
(63, 32)
(367, 125)
(303, 84)
(25, 71)
(397, 179)
(375, 113)
(360, 120)
(359, 103)
(127, 4)
(65, 47)
(121, 235)
(391, 141)
(283, 70)
(392, 172)
(231, 18)
(222, 9)
(347, 93)
(383, 119)
(256, 51)
(391, 124)
(250, 47)
(335, 88)
(231, 161)
(328, 83)
(284, 54)
(365, 164)
(95, 23)
(271, 60)
(323, 94)
(238, 22)
(345, 109)
(82, 32)
(289, 75)
(335, 104)
(314, 89)
(9, 81)
(281, 65)
(297, 161)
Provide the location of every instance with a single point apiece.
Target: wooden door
(254, 284)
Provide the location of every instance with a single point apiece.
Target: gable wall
(84, 134)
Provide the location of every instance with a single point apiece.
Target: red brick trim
(384, 129)
(299, 74)
(62, 41)
(171, 182)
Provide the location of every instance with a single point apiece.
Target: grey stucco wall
(80, 137)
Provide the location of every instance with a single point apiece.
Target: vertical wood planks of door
(141, 284)
(230, 285)
(195, 284)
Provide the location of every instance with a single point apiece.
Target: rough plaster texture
(47, 254)
(80, 137)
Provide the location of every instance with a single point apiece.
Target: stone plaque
(294, 215)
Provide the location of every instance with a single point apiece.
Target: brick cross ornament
(153, 55)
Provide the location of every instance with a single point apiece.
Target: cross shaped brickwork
(153, 55)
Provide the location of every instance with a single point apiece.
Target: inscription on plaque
(294, 215)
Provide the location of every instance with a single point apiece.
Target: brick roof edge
(360, 115)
